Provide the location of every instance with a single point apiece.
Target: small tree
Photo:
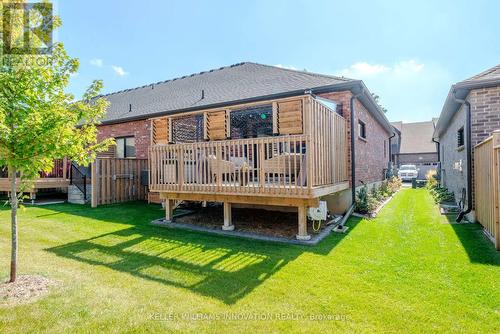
(40, 122)
(377, 100)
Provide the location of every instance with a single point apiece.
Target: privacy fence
(487, 186)
(118, 180)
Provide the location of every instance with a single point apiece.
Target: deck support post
(302, 217)
(169, 210)
(228, 223)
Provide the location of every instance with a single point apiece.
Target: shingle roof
(232, 83)
(490, 73)
(417, 138)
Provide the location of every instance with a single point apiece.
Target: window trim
(460, 138)
(361, 134)
(124, 147)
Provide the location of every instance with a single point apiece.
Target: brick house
(267, 120)
(413, 145)
(479, 95)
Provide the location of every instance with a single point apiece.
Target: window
(252, 122)
(125, 147)
(460, 137)
(187, 129)
(361, 129)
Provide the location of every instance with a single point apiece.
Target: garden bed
(370, 200)
(26, 289)
(374, 213)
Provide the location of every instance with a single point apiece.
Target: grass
(408, 270)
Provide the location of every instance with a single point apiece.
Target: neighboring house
(414, 146)
(252, 134)
(479, 96)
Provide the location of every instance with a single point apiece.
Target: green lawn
(405, 271)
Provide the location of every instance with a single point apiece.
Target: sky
(408, 53)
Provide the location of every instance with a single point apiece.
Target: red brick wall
(371, 158)
(485, 113)
(139, 129)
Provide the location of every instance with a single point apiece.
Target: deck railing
(268, 165)
(61, 169)
(329, 142)
(284, 165)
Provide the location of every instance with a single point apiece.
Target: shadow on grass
(134, 213)
(478, 247)
(225, 268)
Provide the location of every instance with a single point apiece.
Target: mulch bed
(25, 289)
(271, 223)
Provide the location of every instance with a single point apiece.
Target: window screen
(460, 137)
(252, 122)
(187, 129)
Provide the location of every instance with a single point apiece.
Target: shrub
(362, 200)
(375, 193)
(384, 188)
(442, 194)
(367, 201)
(431, 179)
(372, 204)
(394, 184)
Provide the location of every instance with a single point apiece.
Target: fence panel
(486, 184)
(117, 180)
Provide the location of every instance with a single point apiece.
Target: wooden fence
(487, 186)
(117, 180)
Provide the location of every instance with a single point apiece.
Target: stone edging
(254, 236)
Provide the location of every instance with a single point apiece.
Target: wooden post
(228, 223)
(302, 215)
(169, 210)
(65, 168)
(262, 172)
(93, 180)
(496, 188)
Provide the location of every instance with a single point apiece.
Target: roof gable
(417, 138)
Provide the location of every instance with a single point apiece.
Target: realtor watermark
(27, 28)
(246, 316)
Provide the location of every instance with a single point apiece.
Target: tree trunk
(13, 219)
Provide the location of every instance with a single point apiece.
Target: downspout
(438, 144)
(390, 147)
(390, 151)
(469, 158)
(353, 148)
(340, 227)
(438, 148)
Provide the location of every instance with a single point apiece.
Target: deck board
(44, 183)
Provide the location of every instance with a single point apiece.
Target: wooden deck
(38, 184)
(305, 159)
(58, 177)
